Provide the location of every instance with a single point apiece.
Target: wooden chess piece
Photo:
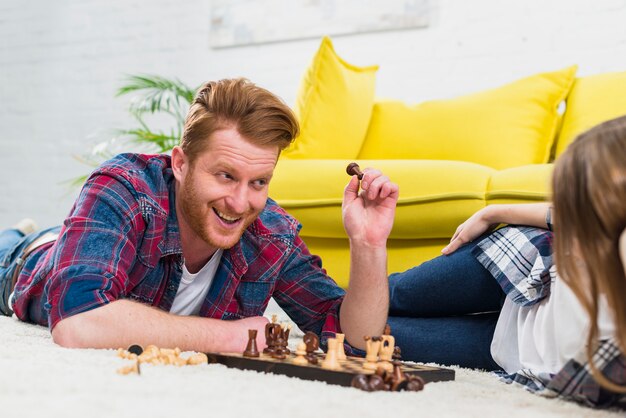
(341, 353)
(353, 169)
(397, 353)
(312, 344)
(251, 349)
(386, 352)
(300, 353)
(330, 361)
(280, 349)
(272, 333)
(371, 352)
(397, 376)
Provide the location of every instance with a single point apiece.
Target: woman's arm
(531, 214)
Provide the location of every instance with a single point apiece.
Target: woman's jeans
(12, 245)
(445, 311)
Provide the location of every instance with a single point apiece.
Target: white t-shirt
(193, 288)
(545, 336)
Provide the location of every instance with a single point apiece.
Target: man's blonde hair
(258, 115)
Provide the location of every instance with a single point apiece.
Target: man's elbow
(70, 333)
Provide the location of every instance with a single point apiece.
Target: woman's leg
(455, 284)
(459, 340)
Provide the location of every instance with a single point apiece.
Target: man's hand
(368, 215)
(124, 322)
(368, 218)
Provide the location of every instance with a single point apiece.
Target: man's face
(226, 188)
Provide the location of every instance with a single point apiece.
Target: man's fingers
(352, 189)
(375, 188)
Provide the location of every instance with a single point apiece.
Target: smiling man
(187, 250)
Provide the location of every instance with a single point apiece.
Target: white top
(193, 288)
(545, 336)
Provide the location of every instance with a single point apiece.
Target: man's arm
(531, 214)
(368, 218)
(124, 322)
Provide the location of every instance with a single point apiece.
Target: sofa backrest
(593, 100)
(505, 127)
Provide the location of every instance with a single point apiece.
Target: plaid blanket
(520, 259)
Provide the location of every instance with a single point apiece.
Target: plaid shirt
(520, 258)
(121, 241)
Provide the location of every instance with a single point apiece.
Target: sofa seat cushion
(520, 184)
(435, 196)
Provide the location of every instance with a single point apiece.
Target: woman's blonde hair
(589, 195)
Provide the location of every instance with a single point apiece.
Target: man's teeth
(225, 217)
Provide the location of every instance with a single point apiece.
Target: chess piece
(401, 381)
(361, 381)
(300, 360)
(397, 353)
(371, 352)
(312, 344)
(386, 352)
(376, 383)
(282, 339)
(272, 333)
(251, 349)
(330, 361)
(341, 353)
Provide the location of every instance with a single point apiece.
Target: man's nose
(238, 199)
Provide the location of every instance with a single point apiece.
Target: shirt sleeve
(96, 248)
(310, 297)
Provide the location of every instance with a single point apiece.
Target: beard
(198, 216)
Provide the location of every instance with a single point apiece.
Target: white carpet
(41, 379)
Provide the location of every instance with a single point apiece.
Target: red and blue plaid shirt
(121, 241)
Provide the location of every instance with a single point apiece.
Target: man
(161, 250)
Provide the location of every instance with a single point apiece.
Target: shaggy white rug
(41, 379)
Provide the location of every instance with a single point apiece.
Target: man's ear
(180, 163)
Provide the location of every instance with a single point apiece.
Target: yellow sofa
(449, 157)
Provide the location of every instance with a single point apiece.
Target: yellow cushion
(504, 127)
(593, 100)
(334, 106)
(523, 184)
(435, 196)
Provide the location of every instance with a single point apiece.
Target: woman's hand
(475, 226)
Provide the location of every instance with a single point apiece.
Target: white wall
(62, 61)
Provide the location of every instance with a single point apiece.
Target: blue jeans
(12, 244)
(445, 311)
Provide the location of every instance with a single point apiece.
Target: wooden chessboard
(350, 368)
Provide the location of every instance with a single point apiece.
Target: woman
(536, 327)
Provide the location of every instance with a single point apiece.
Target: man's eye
(260, 182)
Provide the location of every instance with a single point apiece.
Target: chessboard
(350, 368)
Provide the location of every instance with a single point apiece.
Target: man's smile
(227, 219)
